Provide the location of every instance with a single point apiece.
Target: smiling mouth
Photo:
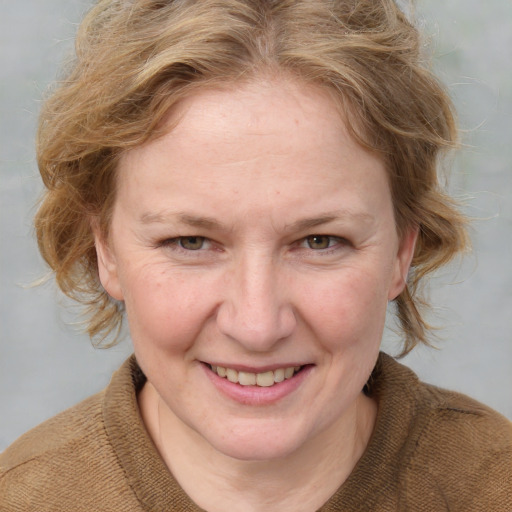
(264, 379)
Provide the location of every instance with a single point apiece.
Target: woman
(250, 183)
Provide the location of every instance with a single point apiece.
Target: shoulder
(66, 463)
(57, 434)
(461, 452)
(462, 428)
(448, 417)
(39, 469)
(437, 449)
(450, 409)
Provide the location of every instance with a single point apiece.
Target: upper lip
(254, 369)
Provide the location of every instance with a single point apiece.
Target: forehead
(254, 140)
(261, 109)
(253, 103)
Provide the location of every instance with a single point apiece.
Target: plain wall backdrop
(47, 366)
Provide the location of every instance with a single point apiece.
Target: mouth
(263, 379)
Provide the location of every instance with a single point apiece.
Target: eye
(190, 248)
(191, 243)
(319, 242)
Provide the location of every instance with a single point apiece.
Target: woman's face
(257, 238)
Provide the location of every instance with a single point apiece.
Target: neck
(302, 481)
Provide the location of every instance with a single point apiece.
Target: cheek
(348, 310)
(166, 310)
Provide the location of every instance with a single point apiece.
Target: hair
(135, 59)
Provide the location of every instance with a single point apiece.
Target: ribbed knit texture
(431, 450)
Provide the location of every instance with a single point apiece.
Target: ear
(403, 262)
(107, 264)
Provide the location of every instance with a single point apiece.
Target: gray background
(46, 366)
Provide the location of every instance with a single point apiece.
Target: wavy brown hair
(135, 59)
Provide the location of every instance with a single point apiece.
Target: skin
(258, 170)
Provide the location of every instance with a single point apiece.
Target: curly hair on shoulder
(135, 59)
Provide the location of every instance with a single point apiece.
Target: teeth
(288, 372)
(279, 375)
(265, 379)
(247, 379)
(232, 375)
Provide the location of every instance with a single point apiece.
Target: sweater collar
(372, 480)
(146, 472)
(376, 475)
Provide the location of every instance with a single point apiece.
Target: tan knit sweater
(432, 450)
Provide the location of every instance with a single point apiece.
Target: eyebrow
(210, 223)
(196, 221)
(326, 218)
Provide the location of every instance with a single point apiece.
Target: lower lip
(257, 395)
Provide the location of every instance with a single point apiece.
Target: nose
(256, 310)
